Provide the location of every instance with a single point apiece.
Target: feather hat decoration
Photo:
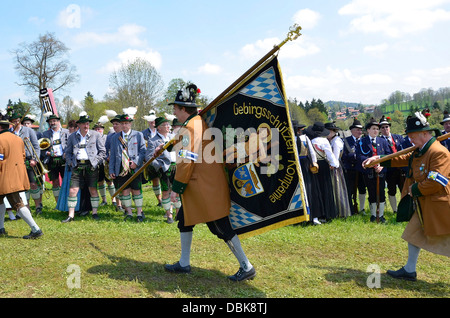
(169, 116)
(110, 113)
(103, 119)
(130, 111)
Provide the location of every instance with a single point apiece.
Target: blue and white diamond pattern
(210, 116)
(296, 202)
(240, 217)
(265, 87)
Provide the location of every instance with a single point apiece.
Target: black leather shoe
(33, 235)
(403, 274)
(177, 268)
(3, 231)
(69, 219)
(243, 275)
(95, 216)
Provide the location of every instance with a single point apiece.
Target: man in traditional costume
(356, 189)
(374, 178)
(164, 164)
(32, 152)
(395, 177)
(127, 154)
(54, 154)
(203, 188)
(84, 153)
(14, 178)
(427, 183)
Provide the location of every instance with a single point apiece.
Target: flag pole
(293, 34)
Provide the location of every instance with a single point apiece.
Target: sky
(350, 50)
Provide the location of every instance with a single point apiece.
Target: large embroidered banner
(260, 155)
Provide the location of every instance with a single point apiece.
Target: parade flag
(47, 106)
(261, 161)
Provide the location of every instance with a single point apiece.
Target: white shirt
(337, 145)
(173, 156)
(323, 148)
(57, 149)
(311, 151)
(82, 152)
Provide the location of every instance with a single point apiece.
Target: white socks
(235, 246)
(25, 214)
(2, 215)
(186, 241)
(393, 202)
(373, 208)
(413, 255)
(362, 202)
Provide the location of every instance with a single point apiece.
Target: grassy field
(117, 259)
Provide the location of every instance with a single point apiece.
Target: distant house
(369, 109)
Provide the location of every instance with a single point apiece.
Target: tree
(137, 84)
(44, 64)
(67, 109)
(315, 115)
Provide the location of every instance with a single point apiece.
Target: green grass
(120, 259)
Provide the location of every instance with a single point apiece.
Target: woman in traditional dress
(326, 161)
(338, 179)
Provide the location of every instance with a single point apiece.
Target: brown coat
(205, 194)
(13, 173)
(435, 199)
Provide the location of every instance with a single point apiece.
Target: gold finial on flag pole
(294, 33)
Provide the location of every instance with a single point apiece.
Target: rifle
(378, 197)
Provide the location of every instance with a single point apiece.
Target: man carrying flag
(203, 188)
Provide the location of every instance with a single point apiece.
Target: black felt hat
(356, 124)
(419, 122)
(372, 122)
(385, 121)
(186, 97)
(446, 117)
(4, 119)
(332, 126)
(297, 125)
(317, 130)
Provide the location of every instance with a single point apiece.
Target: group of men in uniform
(91, 158)
(360, 182)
